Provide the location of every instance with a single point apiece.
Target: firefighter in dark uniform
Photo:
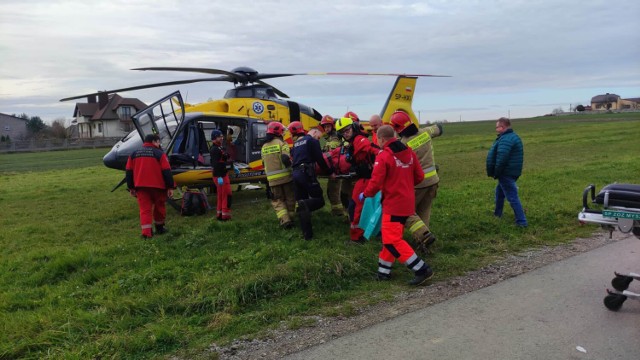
(361, 154)
(149, 179)
(308, 193)
(220, 165)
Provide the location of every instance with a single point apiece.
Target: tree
(580, 108)
(35, 125)
(557, 111)
(58, 130)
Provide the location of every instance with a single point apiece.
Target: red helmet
(400, 120)
(275, 128)
(296, 128)
(327, 120)
(353, 116)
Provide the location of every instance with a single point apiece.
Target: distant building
(13, 127)
(613, 102)
(110, 116)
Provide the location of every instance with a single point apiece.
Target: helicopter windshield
(161, 117)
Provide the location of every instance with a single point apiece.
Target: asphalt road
(543, 314)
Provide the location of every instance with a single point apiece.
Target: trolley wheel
(614, 301)
(621, 282)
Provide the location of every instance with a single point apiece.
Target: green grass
(76, 281)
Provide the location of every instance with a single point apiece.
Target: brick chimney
(103, 99)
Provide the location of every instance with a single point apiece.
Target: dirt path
(282, 342)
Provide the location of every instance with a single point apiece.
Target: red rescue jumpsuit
(396, 171)
(362, 153)
(219, 163)
(148, 173)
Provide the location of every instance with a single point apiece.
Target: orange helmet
(400, 120)
(296, 128)
(275, 128)
(327, 120)
(353, 116)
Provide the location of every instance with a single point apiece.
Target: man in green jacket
(504, 162)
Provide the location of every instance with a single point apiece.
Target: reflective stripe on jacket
(277, 173)
(421, 144)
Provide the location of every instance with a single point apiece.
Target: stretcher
(615, 207)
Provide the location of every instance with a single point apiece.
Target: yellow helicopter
(243, 114)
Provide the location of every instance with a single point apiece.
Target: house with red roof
(109, 116)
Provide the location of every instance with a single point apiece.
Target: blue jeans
(507, 188)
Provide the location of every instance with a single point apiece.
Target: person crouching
(396, 171)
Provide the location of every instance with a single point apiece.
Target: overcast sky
(511, 57)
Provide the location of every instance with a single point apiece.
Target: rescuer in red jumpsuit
(396, 171)
(219, 164)
(361, 154)
(149, 179)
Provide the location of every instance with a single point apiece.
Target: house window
(99, 127)
(125, 112)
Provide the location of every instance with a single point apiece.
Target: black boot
(422, 275)
(160, 229)
(305, 220)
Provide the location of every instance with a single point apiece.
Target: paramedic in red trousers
(149, 179)
(361, 154)
(396, 171)
(306, 154)
(220, 165)
(419, 140)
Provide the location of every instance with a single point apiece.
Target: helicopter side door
(162, 117)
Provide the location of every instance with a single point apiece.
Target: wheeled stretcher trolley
(616, 207)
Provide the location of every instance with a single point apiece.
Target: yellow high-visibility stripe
(430, 174)
(415, 227)
(279, 175)
(281, 213)
(419, 140)
(271, 149)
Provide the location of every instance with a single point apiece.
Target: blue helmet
(215, 133)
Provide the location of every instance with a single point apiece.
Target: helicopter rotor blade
(189, 69)
(372, 74)
(276, 90)
(148, 86)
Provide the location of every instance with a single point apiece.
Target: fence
(54, 144)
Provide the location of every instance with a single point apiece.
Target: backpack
(193, 203)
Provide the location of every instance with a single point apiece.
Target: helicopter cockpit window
(244, 93)
(260, 135)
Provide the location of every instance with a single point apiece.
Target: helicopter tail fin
(400, 98)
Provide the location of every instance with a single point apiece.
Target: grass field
(76, 281)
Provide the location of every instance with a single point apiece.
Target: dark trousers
(309, 197)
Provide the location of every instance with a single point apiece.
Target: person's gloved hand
(220, 181)
(236, 170)
(361, 197)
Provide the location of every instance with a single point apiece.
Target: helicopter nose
(113, 161)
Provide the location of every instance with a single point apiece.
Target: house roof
(605, 98)
(12, 117)
(637, 99)
(108, 112)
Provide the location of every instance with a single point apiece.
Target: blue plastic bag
(371, 216)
